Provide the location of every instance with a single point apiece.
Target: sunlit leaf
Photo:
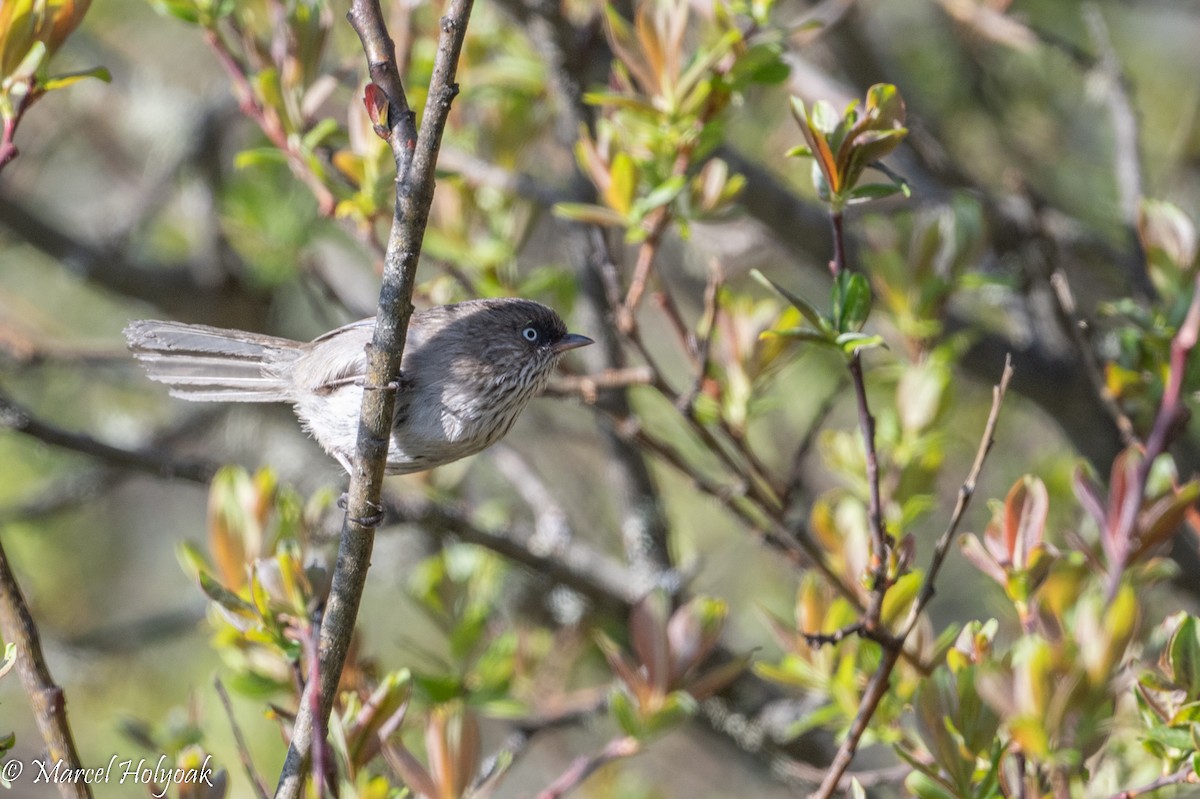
(807, 309)
(68, 78)
(591, 214)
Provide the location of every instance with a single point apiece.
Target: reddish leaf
(1160, 521)
(1088, 494)
(648, 634)
(974, 552)
(1122, 505)
(1025, 512)
(377, 105)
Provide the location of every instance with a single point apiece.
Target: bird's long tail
(208, 364)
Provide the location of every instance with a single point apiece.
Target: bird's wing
(339, 358)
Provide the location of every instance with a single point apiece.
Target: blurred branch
(415, 154)
(588, 387)
(478, 172)
(77, 489)
(889, 775)
(16, 418)
(260, 788)
(133, 636)
(174, 287)
(604, 582)
(46, 698)
(1065, 303)
(517, 742)
(583, 767)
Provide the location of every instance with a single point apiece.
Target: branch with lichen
(415, 154)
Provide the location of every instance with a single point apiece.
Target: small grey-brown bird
(468, 371)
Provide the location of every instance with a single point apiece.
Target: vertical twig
(46, 698)
(415, 153)
(260, 788)
(893, 647)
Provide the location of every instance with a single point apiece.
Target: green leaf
(254, 685)
(320, 132)
(260, 156)
(806, 308)
(678, 706)
(851, 301)
(9, 660)
(799, 151)
(1183, 656)
(437, 689)
(223, 596)
(923, 786)
(824, 117)
(180, 9)
(625, 714)
(33, 61)
(627, 101)
(762, 63)
(803, 333)
(885, 100)
(799, 112)
(853, 342)
(900, 596)
(591, 214)
(875, 191)
(619, 194)
(661, 195)
(66, 79)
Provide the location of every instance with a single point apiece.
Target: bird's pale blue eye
(530, 334)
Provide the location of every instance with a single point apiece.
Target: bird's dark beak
(571, 341)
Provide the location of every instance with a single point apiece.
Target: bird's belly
(430, 429)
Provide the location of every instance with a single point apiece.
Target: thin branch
(517, 742)
(46, 698)
(795, 480)
(416, 158)
(706, 328)
(583, 767)
(588, 387)
(476, 172)
(892, 650)
(1065, 302)
(879, 536)
(260, 788)
(602, 581)
(269, 122)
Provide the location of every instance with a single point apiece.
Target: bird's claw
(372, 520)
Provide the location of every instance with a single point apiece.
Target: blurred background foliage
(626, 164)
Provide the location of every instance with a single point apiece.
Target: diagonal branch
(415, 160)
(46, 698)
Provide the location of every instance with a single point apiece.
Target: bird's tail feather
(208, 364)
